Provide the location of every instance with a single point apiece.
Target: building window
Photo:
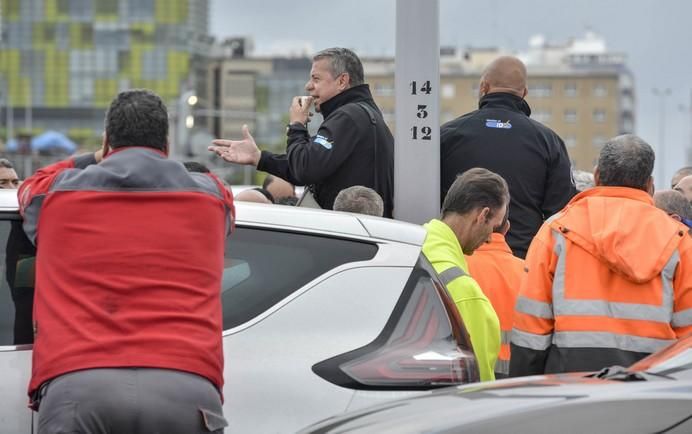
(570, 116)
(448, 91)
(571, 141)
(475, 89)
(600, 90)
(106, 7)
(598, 141)
(570, 90)
(599, 116)
(540, 90)
(543, 116)
(384, 89)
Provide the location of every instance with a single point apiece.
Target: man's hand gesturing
(243, 151)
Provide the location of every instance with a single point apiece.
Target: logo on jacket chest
(494, 123)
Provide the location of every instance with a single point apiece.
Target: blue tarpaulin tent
(47, 142)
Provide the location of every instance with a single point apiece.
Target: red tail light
(422, 346)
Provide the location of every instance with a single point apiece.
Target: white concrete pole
(417, 131)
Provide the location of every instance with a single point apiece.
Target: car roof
(332, 222)
(308, 219)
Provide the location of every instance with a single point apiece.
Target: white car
(324, 312)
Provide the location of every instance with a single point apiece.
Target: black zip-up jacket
(342, 154)
(501, 137)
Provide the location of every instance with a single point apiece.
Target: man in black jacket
(501, 137)
(353, 145)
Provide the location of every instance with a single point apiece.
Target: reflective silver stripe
(505, 337)
(682, 318)
(534, 308)
(609, 340)
(530, 340)
(450, 274)
(619, 310)
(502, 366)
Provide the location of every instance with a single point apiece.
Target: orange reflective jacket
(499, 274)
(609, 281)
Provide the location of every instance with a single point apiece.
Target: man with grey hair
(8, 176)
(359, 199)
(353, 145)
(583, 180)
(675, 204)
(609, 278)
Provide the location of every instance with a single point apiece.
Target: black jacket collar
(353, 94)
(505, 100)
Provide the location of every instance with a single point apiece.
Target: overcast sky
(656, 36)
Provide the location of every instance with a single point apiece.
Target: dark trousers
(130, 400)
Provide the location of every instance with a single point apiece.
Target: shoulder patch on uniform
(321, 140)
(494, 123)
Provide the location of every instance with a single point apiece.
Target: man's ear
(105, 145)
(483, 88)
(483, 215)
(596, 176)
(344, 81)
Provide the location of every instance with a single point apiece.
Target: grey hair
(4, 162)
(343, 60)
(673, 202)
(626, 161)
(359, 199)
(583, 180)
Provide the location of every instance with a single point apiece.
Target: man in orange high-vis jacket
(499, 274)
(609, 277)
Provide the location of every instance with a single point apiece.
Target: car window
(261, 268)
(17, 256)
(264, 266)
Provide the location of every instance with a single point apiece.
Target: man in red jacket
(127, 313)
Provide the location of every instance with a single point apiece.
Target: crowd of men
(547, 275)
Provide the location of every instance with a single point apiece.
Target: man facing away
(476, 203)
(499, 275)
(501, 137)
(127, 313)
(609, 278)
(353, 145)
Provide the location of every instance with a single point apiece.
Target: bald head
(251, 196)
(685, 187)
(504, 74)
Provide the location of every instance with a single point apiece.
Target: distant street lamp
(662, 94)
(687, 109)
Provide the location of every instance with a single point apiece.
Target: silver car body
(270, 386)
